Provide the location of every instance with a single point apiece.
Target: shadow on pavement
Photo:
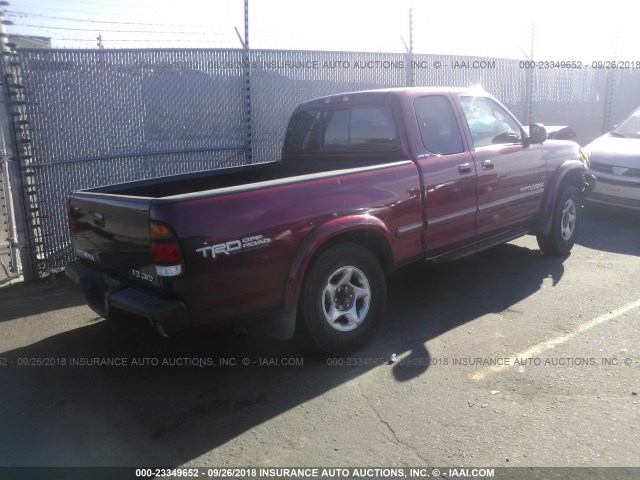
(168, 415)
(610, 229)
(427, 300)
(21, 299)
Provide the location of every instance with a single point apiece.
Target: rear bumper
(105, 293)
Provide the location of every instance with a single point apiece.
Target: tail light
(337, 99)
(167, 256)
(72, 215)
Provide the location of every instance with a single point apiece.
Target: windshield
(630, 127)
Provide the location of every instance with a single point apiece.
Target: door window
(438, 125)
(489, 123)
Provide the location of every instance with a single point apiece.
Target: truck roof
(376, 95)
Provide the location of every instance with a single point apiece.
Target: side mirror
(537, 134)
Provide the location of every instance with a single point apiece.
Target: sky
(550, 30)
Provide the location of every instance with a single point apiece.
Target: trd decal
(234, 246)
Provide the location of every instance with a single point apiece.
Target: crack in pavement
(395, 438)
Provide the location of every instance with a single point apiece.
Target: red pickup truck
(368, 181)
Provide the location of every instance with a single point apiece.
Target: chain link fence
(94, 117)
(104, 117)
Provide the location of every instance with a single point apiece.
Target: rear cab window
(358, 128)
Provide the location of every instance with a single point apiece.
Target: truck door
(448, 173)
(510, 176)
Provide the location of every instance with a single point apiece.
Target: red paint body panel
(254, 281)
(511, 192)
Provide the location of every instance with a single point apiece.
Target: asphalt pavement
(507, 358)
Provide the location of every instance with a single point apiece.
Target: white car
(615, 161)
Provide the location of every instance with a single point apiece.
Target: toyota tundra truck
(368, 182)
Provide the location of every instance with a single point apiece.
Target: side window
(489, 123)
(438, 127)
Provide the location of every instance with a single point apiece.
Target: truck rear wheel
(564, 225)
(343, 300)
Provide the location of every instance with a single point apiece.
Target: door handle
(464, 168)
(487, 165)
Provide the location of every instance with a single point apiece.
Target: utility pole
(99, 38)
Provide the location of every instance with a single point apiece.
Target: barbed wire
(91, 39)
(24, 14)
(128, 6)
(138, 40)
(44, 27)
(106, 4)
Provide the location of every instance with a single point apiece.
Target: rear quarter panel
(253, 280)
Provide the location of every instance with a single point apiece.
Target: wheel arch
(570, 172)
(364, 230)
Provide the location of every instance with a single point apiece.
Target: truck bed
(206, 181)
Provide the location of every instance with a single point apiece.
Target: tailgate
(113, 233)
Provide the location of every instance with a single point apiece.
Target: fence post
(410, 79)
(610, 89)
(10, 156)
(608, 100)
(247, 86)
(530, 79)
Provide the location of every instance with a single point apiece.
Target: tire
(343, 299)
(564, 224)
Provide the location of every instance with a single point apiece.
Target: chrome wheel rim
(346, 298)
(569, 215)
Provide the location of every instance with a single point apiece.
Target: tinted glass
(335, 124)
(438, 126)
(489, 123)
(360, 128)
(372, 128)
(303, 132)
